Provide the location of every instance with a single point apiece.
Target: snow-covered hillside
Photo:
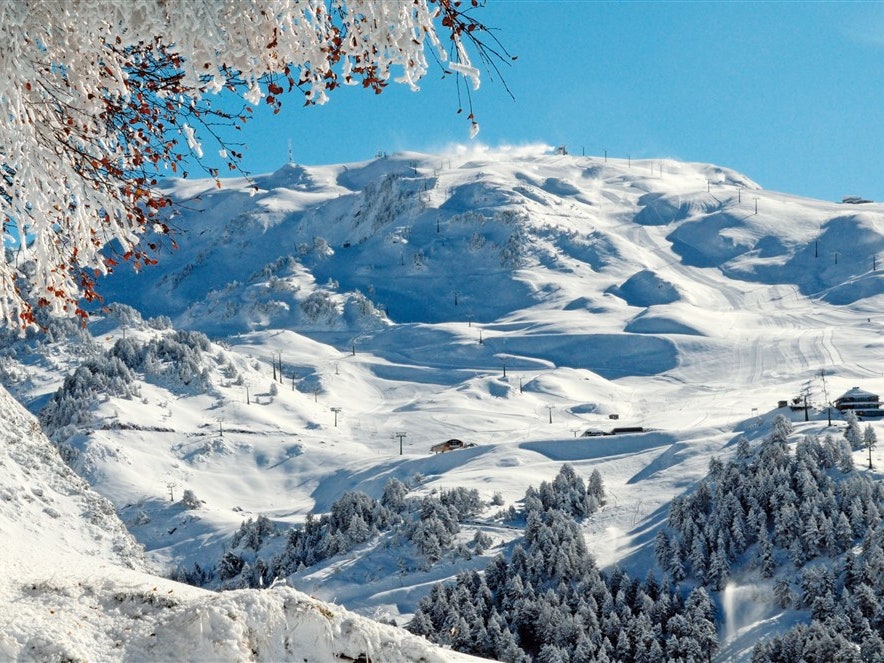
(75, 585)
(355, 315)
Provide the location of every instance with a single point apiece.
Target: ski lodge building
(862, 402)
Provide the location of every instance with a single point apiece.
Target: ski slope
(512, 299)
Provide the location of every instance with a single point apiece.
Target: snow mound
(710, 241)
(290, 176)
(646, 289)
(659, 209)
(277, 625)
(647, 323)
(854, 290)
(840, 264)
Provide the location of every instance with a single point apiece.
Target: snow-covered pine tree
(595, 488)
(870, 441)
(550, 602)
(852, 433)
(804, 512)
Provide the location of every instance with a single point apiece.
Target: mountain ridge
(513, 301)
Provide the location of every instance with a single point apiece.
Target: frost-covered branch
(101, 96)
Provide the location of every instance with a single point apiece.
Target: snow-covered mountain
(320, 328)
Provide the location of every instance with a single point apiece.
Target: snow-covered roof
(857, 393)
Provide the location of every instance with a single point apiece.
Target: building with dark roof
(863, 403)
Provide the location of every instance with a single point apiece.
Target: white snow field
(511, 298)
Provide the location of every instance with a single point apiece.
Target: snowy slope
(75, 585)
(512, 299)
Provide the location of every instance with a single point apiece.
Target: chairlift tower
(401, 437)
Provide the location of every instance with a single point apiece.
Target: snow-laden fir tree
(549, 601)
(852, 433)
(870, 441)
(808, 521)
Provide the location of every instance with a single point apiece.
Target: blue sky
(789, 93)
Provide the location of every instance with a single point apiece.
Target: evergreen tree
(662, 548)
(700, 614)
(550, 602)
(394, 495)
(744, 451)
(870, 441)
(852, 433)
(765, 558)
(719, 568)
(421, 624)
(872, 647)
(782, 429)
(845, 455)
(596, 488)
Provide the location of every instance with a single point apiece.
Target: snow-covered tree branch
(101, 96)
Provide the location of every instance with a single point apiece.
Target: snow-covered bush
(189, 500)
(477, 242)
(70, 405)
(512, 252)
(51, 329)
(283, 264)
(318, 304)
(419, 259)
(180, 356)
(321, 248)
(389, 199)
(160, 322)
(125, 315)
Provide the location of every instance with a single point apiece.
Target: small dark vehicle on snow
(450, 445)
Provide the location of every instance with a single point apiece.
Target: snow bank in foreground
(134, 617)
